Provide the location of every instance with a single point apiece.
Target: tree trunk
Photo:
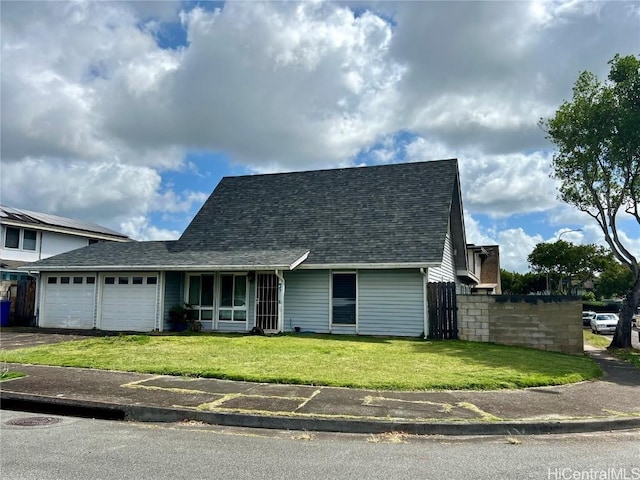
(622, 336)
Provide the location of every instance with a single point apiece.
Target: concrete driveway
(20, 337)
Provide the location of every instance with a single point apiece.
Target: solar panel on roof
(55, 220)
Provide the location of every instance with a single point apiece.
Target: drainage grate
(34, 421)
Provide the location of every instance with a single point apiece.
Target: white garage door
(129, 302)
(69, 300)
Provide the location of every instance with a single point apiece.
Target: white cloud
(171, 201)
(515, 244)
(495, 185)
(138, 227)
(307, 83)
(104, 193)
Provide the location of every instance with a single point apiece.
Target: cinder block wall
(545, 323)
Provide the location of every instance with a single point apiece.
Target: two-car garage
(118, 301)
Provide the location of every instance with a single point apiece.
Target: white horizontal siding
(446, 272)
(390, 302)
(306, 301)
(55, 243)
(232, 326)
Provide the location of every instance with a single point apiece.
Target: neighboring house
(27, 237)
(484, 266)
(342, 251)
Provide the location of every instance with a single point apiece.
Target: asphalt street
(71, 448)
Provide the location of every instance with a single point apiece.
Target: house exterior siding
(54, 243)
(47, 245)
(390, 302)
(173, 294)
(306, 301)
(446, 272)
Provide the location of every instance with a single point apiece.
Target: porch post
(425, 313)
(280, 301)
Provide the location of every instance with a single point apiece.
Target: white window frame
(342, 325)
(21, 232)
(233, 308)
(198, 308)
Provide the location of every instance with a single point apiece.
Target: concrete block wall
(545, 323)
(473, 317)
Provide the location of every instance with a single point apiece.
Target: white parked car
(604, 323)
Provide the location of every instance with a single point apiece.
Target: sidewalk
(607, 404)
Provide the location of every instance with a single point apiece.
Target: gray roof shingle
(159, 255)
(383, 214)
(392, 214)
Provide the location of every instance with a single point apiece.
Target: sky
(128, 114)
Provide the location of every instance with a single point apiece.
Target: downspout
(35, 321)
(160, 301)
(280, 301)
(425, 313)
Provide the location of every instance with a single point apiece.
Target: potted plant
(180, 316)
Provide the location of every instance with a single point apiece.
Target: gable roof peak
(394, 213)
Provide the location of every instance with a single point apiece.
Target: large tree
(565, 262)
(614, 281)
(598, 163)
(514, 283)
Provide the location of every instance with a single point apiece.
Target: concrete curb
(142, 413)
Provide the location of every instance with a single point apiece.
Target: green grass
(595, 340)
(347, 361)
(627, 354)
(630, 355)
(10, 375)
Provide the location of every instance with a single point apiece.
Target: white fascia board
(299, 260)
(67, 231)
(166, 268)
(228, 268)
(368, 266)
(468, 274)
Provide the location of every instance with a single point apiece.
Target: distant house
(484, 267)
(27, 236)
(334, 251)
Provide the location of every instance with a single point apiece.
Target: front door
(267, 302)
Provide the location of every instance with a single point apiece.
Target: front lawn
(361, 362)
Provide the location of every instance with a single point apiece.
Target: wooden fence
(443, 316)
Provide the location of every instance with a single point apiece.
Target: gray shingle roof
(160, 256)
(384, 214)
(47, 220)
(393, 215)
